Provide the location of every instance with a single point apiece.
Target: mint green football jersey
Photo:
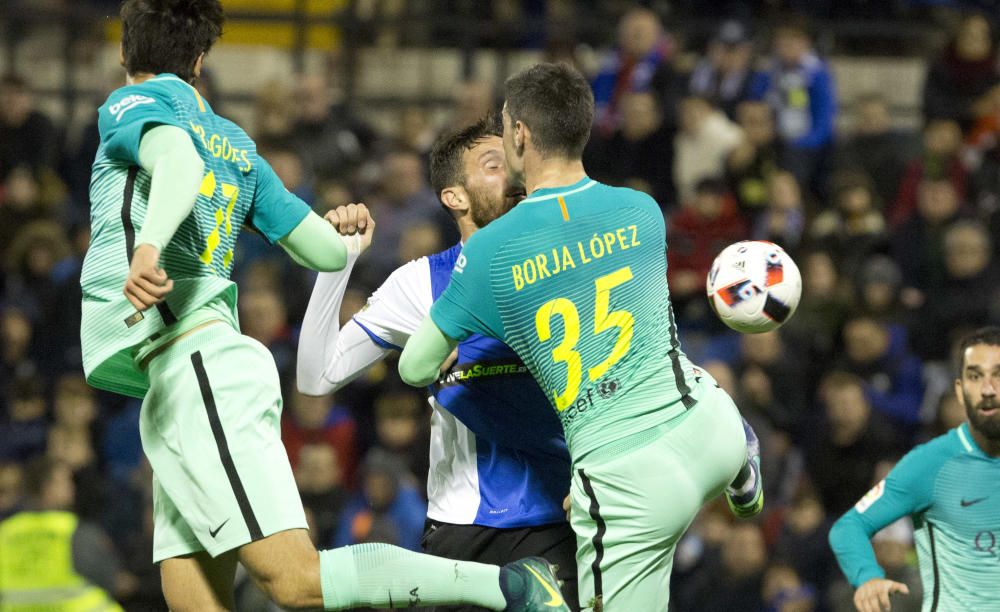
(951, 489)
(574, 279)
(239, 188)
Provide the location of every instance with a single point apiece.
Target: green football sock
(384, 576)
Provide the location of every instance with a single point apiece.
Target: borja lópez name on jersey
(545, 265)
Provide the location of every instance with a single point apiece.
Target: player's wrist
(353, 245)
(149, 244)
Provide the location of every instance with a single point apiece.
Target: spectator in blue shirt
(800, 87)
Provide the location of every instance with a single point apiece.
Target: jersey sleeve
(128, 113)
(907, 490)
(396, 308)
(275, 211)
(467, 306)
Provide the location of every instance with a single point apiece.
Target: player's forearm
(316, 245)
(168, 154)
(850, 539)
(427, 349)
(329, 357)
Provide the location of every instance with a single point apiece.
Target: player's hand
(353, 219)
(873, 596)
(566, 506)
(450, 361)
(147, 282)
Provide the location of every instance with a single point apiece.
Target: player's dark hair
(990, 336)
(557, 105)
(447, 169)
(168, 35)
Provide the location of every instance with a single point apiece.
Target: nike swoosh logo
(557, 599)
(966, 504)
(217, 529)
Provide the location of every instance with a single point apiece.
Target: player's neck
(989, 446)
(139, 77)
(550, 173)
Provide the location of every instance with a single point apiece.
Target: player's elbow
(415, 373)
(313, 387)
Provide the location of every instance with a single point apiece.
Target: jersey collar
(969, 443)
(551, 193)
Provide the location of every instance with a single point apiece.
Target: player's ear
(521, 136)
(958, 391)
(197, 65)
(455, 198)
(121, 55)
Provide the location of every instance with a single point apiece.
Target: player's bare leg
(198, 582)
(285, 566)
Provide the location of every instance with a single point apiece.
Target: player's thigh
(285, 566)
(210, 426)
(199, 582)
(629, 511)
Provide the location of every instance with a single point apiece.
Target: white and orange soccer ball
(754, 286)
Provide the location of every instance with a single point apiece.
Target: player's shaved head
(556, 103)
(168, 35)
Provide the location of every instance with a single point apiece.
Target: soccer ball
(754, 286)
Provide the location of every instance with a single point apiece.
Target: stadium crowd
(897, 234)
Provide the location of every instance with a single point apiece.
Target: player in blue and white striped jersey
(499, 468)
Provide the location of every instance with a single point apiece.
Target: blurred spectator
(879, 353)
(969, 294)
(319, 480)
(735, 583)
(405, 197)
(274, 112)
(848, 443)
(387, 509)
(24, 430)
(16, 363)
(784, 591)
(638, 155)
(756, 158)
(878, 288)
(419, 240)
(26, 196)
(706, 224)
(784, 219)
(416, 130)
(471, 101)
(822, 310)
(940, 160)
(876, 147)
(725, 75)
(40, 536)
(854, 227)
(963, 73)
(644, 55)
(802, 541)
(334, 140)
(321, 421)
(918, 243)
(984, 154)
(36, 265)
(705, 140)
(287, 162)
(263, 317)
(27, 136)
(799, 86)
(402, 427)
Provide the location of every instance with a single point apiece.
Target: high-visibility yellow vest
(36, 567)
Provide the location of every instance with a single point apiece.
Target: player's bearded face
(980, 388)
(490, 192)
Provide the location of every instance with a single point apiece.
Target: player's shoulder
(928, 458)
(413, 272)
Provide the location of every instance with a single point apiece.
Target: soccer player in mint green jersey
(951, 488)
(574, 280)
(172, 185)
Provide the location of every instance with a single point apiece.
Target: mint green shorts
(211, 429)
(632, 504)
